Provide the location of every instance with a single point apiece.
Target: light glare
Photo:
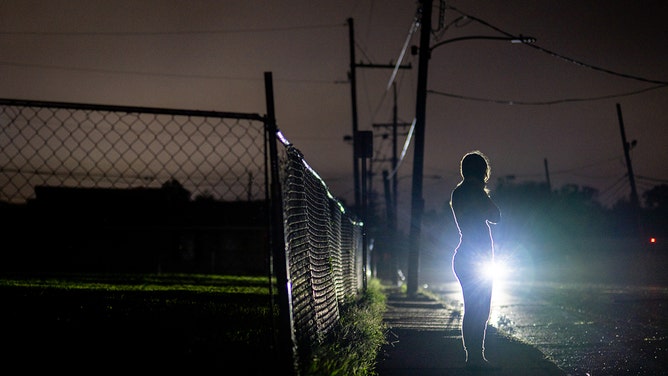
(495, 270)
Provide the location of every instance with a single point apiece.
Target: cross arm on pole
(389, 66)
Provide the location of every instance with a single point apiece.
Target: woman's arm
(493, 212)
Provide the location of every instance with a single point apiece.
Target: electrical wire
(614, 185)
(153, 74)
(613, 193)
(404, 150)
(455, 22)
(546, 103)
(656, 180)
(659, 84)
(161, 33)
(560, 56)
(595, 163)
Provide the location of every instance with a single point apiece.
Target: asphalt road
(585, 328)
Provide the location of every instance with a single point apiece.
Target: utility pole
(417, 202)
(353, 95)
(635, 202)
(353, 89)
(547, 176)
(395, 153)
(391, 195)
(365, 142)
(361, 202)
(395, 159)
(632, 181)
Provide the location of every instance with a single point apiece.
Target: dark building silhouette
(67, 229)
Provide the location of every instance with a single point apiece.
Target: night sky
(519, 104)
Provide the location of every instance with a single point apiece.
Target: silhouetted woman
(473, 210)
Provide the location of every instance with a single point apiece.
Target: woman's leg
(477, 294)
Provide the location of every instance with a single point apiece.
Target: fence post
(286, 334)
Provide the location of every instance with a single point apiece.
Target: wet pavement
(424, 339)
(586, 329)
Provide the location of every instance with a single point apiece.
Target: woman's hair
(475, 164)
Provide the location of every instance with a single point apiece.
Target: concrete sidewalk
(424, 339)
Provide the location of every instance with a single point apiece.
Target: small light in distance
(652, 240)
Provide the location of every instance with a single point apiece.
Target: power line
(659, 84)
(465, 16)
(162, 33)
(645, 185)
(613, 192)
(656, 180)
(572, 171)
(153, 74)
(546, 103)
(595, 163)
(620, 182)
(404, 150)
(560, 56)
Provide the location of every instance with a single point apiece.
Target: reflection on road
(586, 329)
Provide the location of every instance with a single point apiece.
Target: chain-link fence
(212, 154)
(107, 188)
(132, 189)
(324, 247)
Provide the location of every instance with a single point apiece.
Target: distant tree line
(532, 212)
(77, 229)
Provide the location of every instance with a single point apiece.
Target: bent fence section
(135, 189)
